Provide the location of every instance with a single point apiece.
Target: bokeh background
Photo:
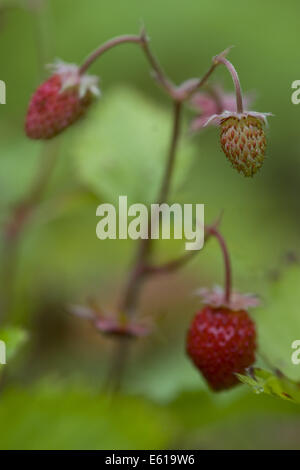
(53, 393)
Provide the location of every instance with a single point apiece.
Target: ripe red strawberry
(59, 101)
(221, 342)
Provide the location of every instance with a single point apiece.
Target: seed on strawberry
(244, 143)
(221, 342)
(59, 101)
(242, 139)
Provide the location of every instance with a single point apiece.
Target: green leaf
(236, 419)
(278, 322)
(196, 409)
(122, 147)
(52, 417)
(262, 381)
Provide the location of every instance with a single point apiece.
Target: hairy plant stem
(143, 41)
(127, 38)
(236, 81)
(182, 260)
(140, 270)
(177, 93)
(160, 75)
(141, 267)
(228, 274)
(130, 38)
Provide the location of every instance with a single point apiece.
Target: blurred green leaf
(48, 417)
(169, 375)
(122, 147)
(279, 322)
(262, 381)
(236, 419)
(195, 409)
(14, 339)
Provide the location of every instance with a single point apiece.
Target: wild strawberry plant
(222, 339)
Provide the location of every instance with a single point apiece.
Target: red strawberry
(59, 101)
(221, 342)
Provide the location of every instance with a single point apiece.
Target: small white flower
(215, 297)
(71, 77)
(219, 118)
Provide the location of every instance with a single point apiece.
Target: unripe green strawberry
(243, 139)
(244, 143)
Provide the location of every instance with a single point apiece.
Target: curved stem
(177, 263)
(165, 187)
(228, 274)
(159, 73)
(236, 81)
(127, 38)
(139, 270)
(143, 41)
(172, 265)
(205, 77)
(180, 93)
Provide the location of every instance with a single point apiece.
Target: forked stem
(143, 41)
(139, 270)
(141, 267)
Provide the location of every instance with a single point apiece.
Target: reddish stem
(236, 81)
(182, 260)
(127, 38)
(143, 41)
(160, 75)
(140, 267)
(228, 274)
(165, 187)
(180, 93)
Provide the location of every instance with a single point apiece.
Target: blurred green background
(52, 393)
